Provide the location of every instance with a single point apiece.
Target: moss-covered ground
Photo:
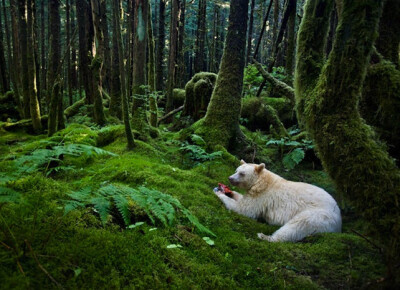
(42, 248)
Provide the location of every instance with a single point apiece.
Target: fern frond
(8, 195)
(81, 195)
(121, 203)
(71, 205)
(102, 205)
(196, 222)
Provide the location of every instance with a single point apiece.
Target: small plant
(157, 205)
(196, 152)
(252, 80)
(292, 152)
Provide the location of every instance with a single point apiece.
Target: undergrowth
(129, 220)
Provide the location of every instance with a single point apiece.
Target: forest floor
(42, 247)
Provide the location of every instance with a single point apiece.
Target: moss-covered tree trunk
(23, 38)
(54, 62)
(139, 117)
(124, 100)
(97, 62)
(115, 84)
(291, 40)
(327, 98)
(173, 41)
(151, 72)
(34, 108)
(221, 123)
(160, 47)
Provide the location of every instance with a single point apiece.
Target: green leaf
(135, 225)
(198, 140)
(174, 246)
(121, 203)
(209, 241)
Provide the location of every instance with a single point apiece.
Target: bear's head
(246, 175)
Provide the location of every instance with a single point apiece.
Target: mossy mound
(79, 252)
(179, 97)
(198, 94)
(258, 117)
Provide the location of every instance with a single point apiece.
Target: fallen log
(173, 112)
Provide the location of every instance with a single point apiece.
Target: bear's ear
(242, 162)
(260, 167)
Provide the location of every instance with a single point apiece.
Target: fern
(291, 159)
(40, 159)
(157, 205)
(8, 195)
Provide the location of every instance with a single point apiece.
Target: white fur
(301, 209)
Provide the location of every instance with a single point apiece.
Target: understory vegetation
(77, 210)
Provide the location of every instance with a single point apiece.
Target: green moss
(80, 253)
(260, 115)
(198, 94)
(380, 103)
(179, 97)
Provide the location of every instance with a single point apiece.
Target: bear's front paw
(217, 191)
(261, 236)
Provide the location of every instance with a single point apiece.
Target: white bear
(301, 209)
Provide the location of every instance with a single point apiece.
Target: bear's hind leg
(304, 224)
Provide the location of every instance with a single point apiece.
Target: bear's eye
(241, 174)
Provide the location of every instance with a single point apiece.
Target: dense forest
(118, 118)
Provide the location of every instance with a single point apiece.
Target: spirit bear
(301, 209)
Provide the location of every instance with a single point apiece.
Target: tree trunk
(180, 72)
(139, 118)
(68, 32)
(9, 57)
(160, 47)
(173, 39)
(327, 99)
(221, 123)
(106, 69)
(16, 57)
(4, 80)
(250, 32)
(54, 62)
(215, 39)
(97, 62)
(85, 30)
(74, 73)
(125, 108)
(115, 83)
(199, 60)
(151, 79)
(23, 38)
(43, 67)
(34, 108)
(291, 40)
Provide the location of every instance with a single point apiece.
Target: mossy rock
(198, 94)
(108, 134)
(259, 117)
(179, 97)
